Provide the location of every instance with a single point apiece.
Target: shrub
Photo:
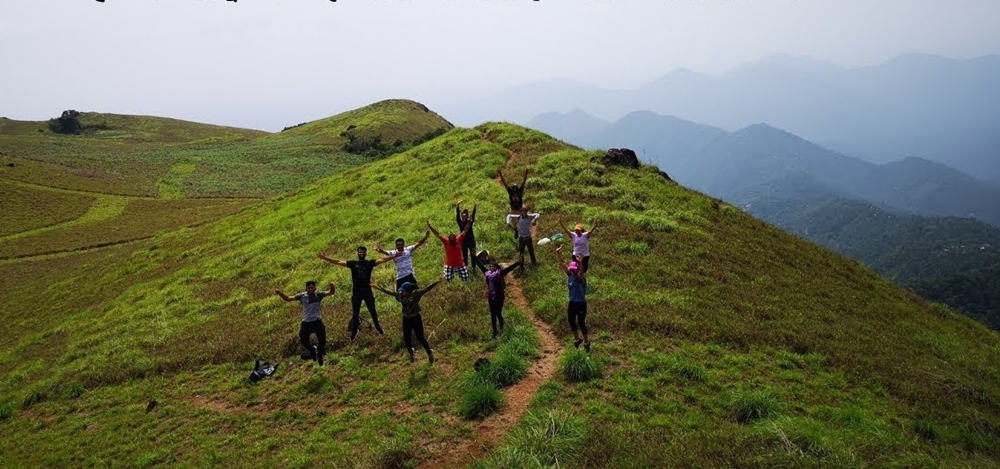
(67, 123)
(507, 368)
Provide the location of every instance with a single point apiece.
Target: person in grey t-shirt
(312, 319)
(524, 223)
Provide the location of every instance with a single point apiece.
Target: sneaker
(378, 329)
(319, 358)
(313, 353)
(577, 342)
(354, 334)
(430, 357)
(586, 347)
(494, 335)
(411, 355)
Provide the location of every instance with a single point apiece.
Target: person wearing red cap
(576, 311)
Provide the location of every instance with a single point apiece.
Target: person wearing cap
(361, 290)
(525, 221)
(453, 261)
(408, 295)
(312, 320)
(496, 291)
(576, 310)
(581, 242)
(404, 259)
(469, 242)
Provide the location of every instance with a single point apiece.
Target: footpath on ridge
(488, 432)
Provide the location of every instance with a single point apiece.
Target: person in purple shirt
(496, 292)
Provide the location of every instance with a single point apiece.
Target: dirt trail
(489, 431)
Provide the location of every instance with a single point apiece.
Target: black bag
(261, 371)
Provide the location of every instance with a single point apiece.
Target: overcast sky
(267, 64)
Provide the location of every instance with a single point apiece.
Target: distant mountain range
(917, 222)
(762, 162)
(916, 105)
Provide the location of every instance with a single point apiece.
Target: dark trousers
(415, 325)
(526, 242)
(357, 296)
(576, 312)
(313, 327)
(469, 252)
(408, 278)
(496, 313)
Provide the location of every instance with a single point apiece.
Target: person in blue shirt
(576, 311)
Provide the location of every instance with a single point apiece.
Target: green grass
(28, 207)
(717, 306)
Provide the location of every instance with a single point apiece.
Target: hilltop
(719, 340)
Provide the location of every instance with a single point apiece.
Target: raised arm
(503, 181)
(421, 291)
(559, 257)
(429, 227)
(458, 212)
(383, 290)
(525, 181)
(506, 270)
(592, 228)
(378, 249)
(563, 225)
(284, 296)
(468, 226)
(427, 234)
(475, 206)
(330, 290)
(331, 260)
(389, 258)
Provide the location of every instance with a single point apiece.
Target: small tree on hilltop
(67, 123)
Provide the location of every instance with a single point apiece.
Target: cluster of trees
(67, 123)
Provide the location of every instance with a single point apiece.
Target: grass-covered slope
(392, 120)
(721, 341)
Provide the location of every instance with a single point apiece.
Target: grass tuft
(577, 366)
(479, 400)
(750, 406)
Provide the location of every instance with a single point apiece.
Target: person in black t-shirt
(469, 242)
(515, 194)
(361, 279)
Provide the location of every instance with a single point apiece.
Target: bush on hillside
(750, 406)
(577, 366)
(67, 123)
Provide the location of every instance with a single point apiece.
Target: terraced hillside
(719, 341)
(126, 178)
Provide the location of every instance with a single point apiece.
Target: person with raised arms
(525, 221)
(469, 243)
(361, 290)
(515, 195)
(576, 310)
(312, 319)
(402, 256)
(496, 291)
(581, 242)
(408, 295)
(453, 261)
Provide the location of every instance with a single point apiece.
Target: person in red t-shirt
(453, 260)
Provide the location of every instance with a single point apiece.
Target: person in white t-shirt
(404, 262)
(581, 242)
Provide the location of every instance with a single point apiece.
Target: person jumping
(576, 310)
(453, 252)
(404, 259)
(361, 290)
(469, 243)
(312, 320)
(581, 242)
(496, 292)
(408, 295)
(525, 221)
(515, 195)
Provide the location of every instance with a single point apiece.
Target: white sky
(267, 64)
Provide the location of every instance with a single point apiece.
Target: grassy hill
(128, 177)
(718, 340)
